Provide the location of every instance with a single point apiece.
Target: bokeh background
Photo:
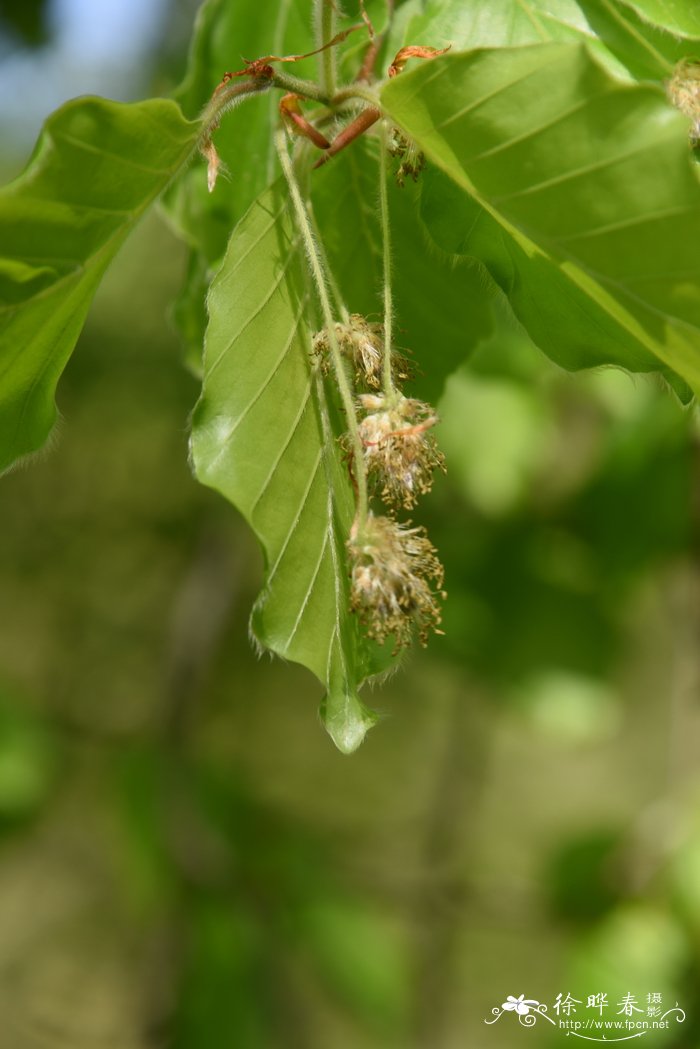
(185, 860)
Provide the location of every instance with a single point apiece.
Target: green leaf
(675, 16)
(97, 166)
(264, 436)
(579, 196)
(614, 30)
(189, 313)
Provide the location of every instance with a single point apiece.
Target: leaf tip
(346, 720)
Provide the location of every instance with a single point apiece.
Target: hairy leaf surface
(674, 16)
(97, 166)
(580, 198)
(264, 436)
(614, 30)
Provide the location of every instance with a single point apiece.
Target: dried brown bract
(396, 581)
(401, 454)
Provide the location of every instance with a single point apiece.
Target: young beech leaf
(587, 194)
(96, 168)
(621, 33)
(264, 435)
(671, 16)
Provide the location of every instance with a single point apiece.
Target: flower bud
(392, 567)
(400, 453)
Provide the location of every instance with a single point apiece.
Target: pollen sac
(362, 343)
(400, 452)
(396, 580)
(684, 91)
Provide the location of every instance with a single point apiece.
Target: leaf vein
(307, 595)
(567, 176)
(295, 522)
(277, 283)
(99, 151)
(293, 429)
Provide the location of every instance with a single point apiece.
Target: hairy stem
(305, 88)
(361, 91)
(225, 98)
(324, 22)
(388, 380)
(317, 269)
(342, 309)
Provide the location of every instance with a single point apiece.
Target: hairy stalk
(324, 23)
(342, 309)
(317, 269)
(361, 91)
(388, 379)
(226, 98)
(305, 88)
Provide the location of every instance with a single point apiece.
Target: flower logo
(520, 1005)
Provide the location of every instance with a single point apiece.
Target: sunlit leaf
(578, 194)
(674, 16)
(613, 29)
(97, 167)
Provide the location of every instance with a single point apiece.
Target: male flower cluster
(392, 569)
(395, 575)
(362, 344)
(400, 452)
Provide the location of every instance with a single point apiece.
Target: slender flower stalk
(305, 88)
(228, 95)
(340, 306)
(388, 379)
(353, 91)
(317, 269)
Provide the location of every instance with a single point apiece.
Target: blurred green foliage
(528, 817)
(26, 18)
